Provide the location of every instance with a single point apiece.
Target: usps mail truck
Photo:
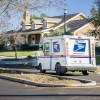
(68, 53)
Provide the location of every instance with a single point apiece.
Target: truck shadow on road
(67, 74)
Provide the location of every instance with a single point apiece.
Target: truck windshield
(46, 48)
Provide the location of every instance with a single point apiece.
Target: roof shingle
(76, 24)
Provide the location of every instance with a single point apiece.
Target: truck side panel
(58, 52)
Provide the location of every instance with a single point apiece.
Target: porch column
(26, 38)
(41, 38)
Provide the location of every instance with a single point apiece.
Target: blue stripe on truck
(61, 56)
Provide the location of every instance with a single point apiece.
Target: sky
(73, 6)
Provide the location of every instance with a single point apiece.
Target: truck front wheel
(40, 67)
(59, 70)
(85, 72)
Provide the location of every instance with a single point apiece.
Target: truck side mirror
(40, 47)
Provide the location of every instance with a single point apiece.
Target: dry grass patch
(43, 79)
(98, 70)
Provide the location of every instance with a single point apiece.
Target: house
(34, 30)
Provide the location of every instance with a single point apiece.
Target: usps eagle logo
(79, 47)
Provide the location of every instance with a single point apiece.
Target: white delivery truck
(68, 53)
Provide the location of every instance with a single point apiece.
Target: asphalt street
(16, 91)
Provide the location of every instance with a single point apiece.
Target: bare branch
(5, 8)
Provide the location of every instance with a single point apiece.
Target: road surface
(16, 91)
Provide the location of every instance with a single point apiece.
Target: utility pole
(65, 12)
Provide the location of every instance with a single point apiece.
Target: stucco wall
(28, 27)
(50, 24)
(79, 17)
(37, 26)
(84, 30)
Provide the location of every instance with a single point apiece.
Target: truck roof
(69, 36)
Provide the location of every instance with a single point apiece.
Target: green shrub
(97, 50)
(28, 47)
(1, 47)
(35, 47)
(24, 47)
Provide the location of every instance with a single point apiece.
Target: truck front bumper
(77, 68)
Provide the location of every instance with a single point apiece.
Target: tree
(95, 11)
(16, 39)
(12, 40)
(9, 8)
(59, 32)
(4, 38)
(43, 15)
(34, 17)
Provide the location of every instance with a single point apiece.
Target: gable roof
(76, 24)
(73, 24)
(68, 16)
(60, 18)
(37, 21)
(54, 20)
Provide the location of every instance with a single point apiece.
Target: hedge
(1, 47)
(97, 49)
(28, 47)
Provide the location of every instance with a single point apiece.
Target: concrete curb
(97, 73)
(84, 82)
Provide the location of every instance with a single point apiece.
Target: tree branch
(5, 8)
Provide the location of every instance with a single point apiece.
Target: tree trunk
(15, 52)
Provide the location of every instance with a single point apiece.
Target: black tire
(58, 69)
(85, 72)
(40, 67)
(63, 70)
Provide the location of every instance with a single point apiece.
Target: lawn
(20, 53)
